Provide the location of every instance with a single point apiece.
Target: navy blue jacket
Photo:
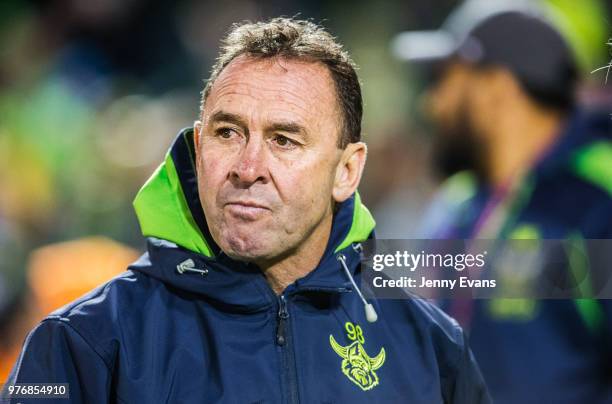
(546, 351)
(186, 324)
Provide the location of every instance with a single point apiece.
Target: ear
(197, 133)
(197, 139)
(503, 87)
(492, 92)
(349, 171)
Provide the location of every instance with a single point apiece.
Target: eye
(225, 133)
(284, 141)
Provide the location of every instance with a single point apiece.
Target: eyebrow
(222, 116)
(280, 126)
(289, 127)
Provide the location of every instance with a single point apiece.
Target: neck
(300, 262)
(517, 141)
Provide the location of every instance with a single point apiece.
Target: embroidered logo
(357, 365)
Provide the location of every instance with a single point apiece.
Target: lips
(246, 210)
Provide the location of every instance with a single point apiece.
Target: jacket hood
(170, 214)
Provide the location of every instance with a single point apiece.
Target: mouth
(246, 210)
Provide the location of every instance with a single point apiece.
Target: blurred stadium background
(92, 93)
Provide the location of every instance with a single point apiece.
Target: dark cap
(518, 39)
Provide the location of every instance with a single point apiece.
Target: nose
(251, 165)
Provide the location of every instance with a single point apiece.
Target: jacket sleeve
(54, 352)
(469, 385)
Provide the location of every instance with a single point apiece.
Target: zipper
(283, 317)
(284, 342)
(284, 339)
(283, 313)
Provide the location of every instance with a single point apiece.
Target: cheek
(307, 190)
(478, 113)
(211, 173)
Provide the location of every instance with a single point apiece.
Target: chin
(246, 249)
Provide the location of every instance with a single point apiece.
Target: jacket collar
(169, 211)
(581, 131)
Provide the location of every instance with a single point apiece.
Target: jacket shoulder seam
(95, 349)
(65, 311)
(462, 345)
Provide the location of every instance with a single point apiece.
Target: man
(537, 168)
(248, 290)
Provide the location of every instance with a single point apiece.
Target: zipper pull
(283, 315)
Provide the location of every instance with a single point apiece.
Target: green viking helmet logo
(357, 365)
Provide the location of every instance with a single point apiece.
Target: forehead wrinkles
(304, 88)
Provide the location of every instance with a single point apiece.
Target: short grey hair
(297, 39)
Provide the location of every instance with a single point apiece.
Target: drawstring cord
(370, 313)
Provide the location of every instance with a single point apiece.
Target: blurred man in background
(524, 162)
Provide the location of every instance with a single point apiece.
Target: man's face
(453, 108)
(267, 156)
